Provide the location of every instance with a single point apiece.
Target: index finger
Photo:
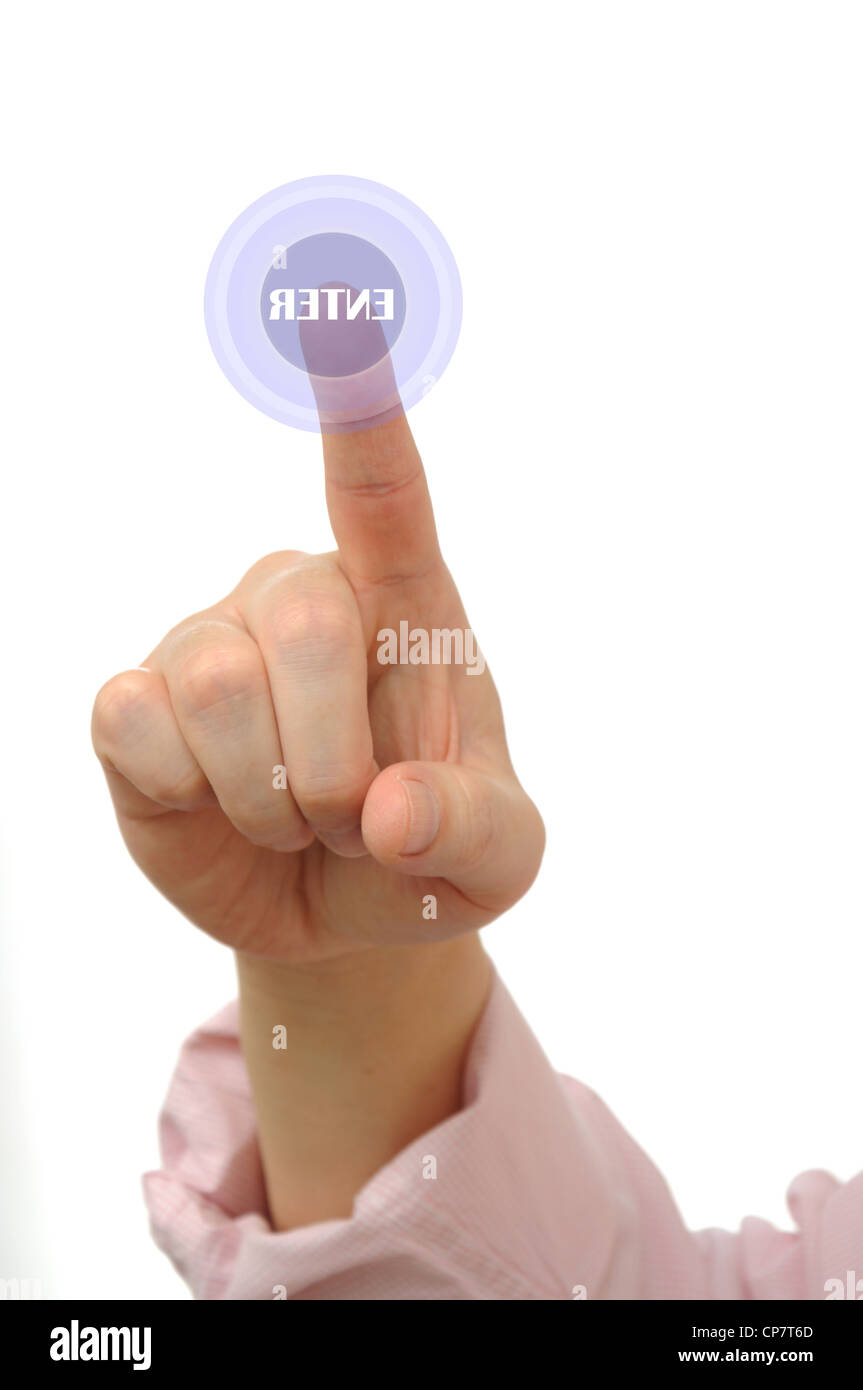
(377, 494)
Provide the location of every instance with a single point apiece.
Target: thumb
(481, 833)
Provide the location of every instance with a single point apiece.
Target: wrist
(351, 1059)
(374, 975)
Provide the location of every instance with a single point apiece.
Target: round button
(332, 302)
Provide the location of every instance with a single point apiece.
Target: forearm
(374, 1044)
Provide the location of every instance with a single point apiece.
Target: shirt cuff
(532, 1190)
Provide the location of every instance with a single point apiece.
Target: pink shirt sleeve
(531, 1191)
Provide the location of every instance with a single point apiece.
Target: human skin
(400, 785)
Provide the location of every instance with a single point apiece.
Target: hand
(398, 780)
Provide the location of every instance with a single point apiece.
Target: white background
(646, 461)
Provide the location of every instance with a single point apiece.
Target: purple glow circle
(374, 227)
(325, 260)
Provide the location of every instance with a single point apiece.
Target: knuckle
(482, 827)
(332, 799)
(121, 709)
(183, 790)
(251, 823)
(269, 830)
(251, 811)
(270, 822)
(214, 676)
(279, 561)
(315, 626)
